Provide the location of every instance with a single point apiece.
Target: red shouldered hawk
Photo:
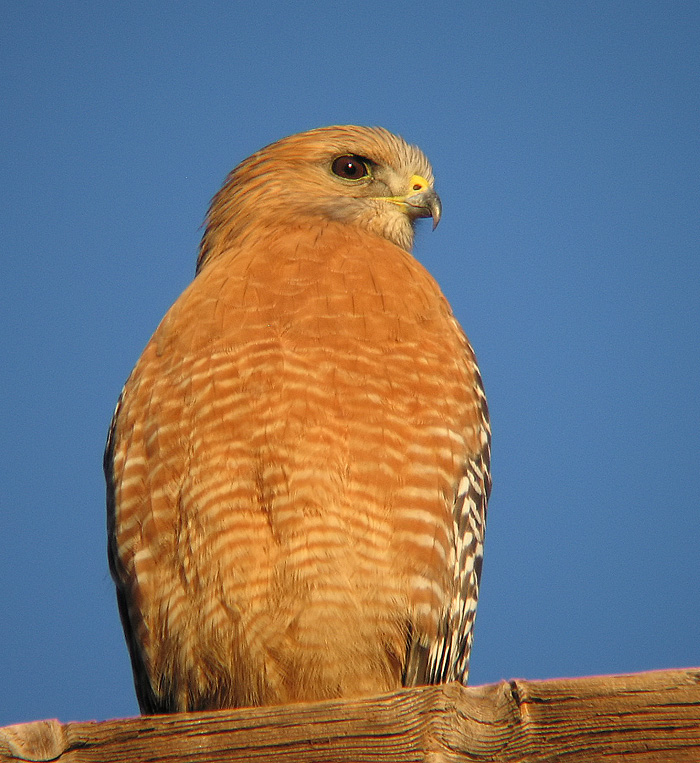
(298, 466)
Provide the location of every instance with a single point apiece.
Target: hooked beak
(420, 201)
(426, 203)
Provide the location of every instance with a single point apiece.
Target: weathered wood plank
(648, 718)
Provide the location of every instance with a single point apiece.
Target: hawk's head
(363, 176)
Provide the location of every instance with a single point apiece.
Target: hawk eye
(350, 167)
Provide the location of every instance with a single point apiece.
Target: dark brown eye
(350, 167)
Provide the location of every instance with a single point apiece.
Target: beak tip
(436, 209)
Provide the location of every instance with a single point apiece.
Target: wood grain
(647, 717)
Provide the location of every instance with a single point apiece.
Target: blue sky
(565, 142)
